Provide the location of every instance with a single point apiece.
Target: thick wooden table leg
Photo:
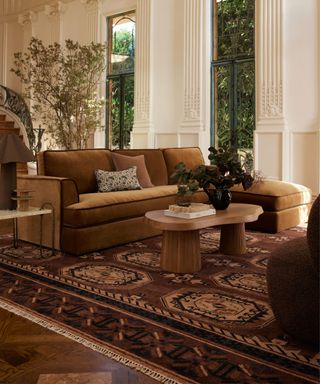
(181, 251)
(232, 239)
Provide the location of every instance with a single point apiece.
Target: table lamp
(12, 150)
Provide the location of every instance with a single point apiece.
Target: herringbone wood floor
(28, 350)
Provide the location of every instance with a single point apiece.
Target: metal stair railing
(16, 107)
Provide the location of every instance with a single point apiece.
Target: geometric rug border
(219, 337)
(163, 377)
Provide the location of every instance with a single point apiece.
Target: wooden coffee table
(181, 240)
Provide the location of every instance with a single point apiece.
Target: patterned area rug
(214, 326)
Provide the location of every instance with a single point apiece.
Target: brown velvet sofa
(87, 220)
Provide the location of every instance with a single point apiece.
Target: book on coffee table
(193, 211)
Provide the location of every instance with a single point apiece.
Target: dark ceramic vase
(220, 198)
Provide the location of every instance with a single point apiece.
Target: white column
(3, 48)
(26, 19)
(54, 13)
(93, 11)
(195, 127)
(142, 135)
(192, 62)
(271, 135)
(93, 27)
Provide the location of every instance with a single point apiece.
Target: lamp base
(8, 182)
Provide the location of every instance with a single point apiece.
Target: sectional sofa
(88, 220)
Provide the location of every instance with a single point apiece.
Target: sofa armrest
(59, 192)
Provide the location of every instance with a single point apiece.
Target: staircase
(8, 127)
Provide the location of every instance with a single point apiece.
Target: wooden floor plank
(28, 350)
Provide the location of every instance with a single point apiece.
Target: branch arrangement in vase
(62, 83)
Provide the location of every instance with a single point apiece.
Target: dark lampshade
(12, 150)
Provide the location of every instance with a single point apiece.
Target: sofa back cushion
(123, 162)
(78, 165)
(191, 156)
(155, 163)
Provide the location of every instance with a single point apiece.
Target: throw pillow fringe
(17, 310)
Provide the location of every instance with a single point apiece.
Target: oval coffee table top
(235, 213)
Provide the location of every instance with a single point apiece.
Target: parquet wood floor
(28, 350)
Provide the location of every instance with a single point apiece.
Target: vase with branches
(62, 84)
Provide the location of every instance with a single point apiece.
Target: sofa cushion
(123, 162)
(155, 163)
(272, 195)
(191, 156)
(98, 208)
(125, 180)
(78, 165)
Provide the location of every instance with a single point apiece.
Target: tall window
(120, 79)
(233, 82)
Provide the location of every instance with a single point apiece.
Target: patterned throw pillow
(117, 181)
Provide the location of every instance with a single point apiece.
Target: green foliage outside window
(124, 113)
(234, 73)
(121, 85)
(235, 28)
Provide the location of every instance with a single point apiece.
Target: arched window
(233, 83)
(120, 80)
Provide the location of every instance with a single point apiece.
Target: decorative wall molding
(271, 100)
(271, 130)
(11, 7)
(142, 105)
(142, 135)
(193, 52)
(93, 11)
(91, 4)
(27, 18)
(55, 10)
(269, 60)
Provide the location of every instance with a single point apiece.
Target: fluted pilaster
(193, 14)
(54, 13)
(269, 68)
(27, 19)
(142, 59)
(271, 130)
(93, 8)
(142, 134)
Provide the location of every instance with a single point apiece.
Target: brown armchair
(293, 282)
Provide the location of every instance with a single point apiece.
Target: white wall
(302, 79)
(173, 83)
(287, 84)
(10, 45)
(168, 63)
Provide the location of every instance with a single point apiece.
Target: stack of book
(193, 211)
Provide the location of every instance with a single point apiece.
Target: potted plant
(187, 184)
(227, 169)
